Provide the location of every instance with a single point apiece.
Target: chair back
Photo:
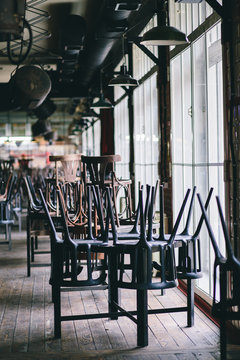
(33, 192)
(11, 187)
(32, 205)
(99, 168)
(189, 215)
(161, 227)
(71, 164)
(3, 196)
(53, 231)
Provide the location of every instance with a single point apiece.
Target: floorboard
(26, 319)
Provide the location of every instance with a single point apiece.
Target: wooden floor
(26, 320)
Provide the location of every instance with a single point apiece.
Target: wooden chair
(228, 269)
(67, 167)
(100, 170)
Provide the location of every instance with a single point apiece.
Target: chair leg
(190, 302)
(6, 232)
(28, 247)
(223, 307)
(142, 318)
(36, 242)
(9, 236)
(113, 295)
(56, 294)
(32, 249)
(223, 339)
(19, 222)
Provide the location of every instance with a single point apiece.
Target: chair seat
(6, 222)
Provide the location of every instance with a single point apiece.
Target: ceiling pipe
(108, 31)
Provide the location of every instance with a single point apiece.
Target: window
(146, 138)
(141, 62)
(121, 136)
(197, 133)
(91, 138)
(97, 138)
(146, 133)
(187, 17)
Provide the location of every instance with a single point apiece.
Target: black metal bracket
(137, 41)
(125, 89)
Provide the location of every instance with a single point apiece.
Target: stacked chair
(227, 273)
(126, 260)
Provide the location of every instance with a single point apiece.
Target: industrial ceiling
(71, 41)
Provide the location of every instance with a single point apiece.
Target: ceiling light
(102, 103)
(90, 114)
(163, 34)
(123, 79)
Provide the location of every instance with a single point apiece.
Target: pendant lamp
(90, 114)
(124, 78)
(102, 103)
(163, 34)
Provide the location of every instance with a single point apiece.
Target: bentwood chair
(68, 272)
(3, 196)
(226, 271)
(139, 275)
(36, 220)
(100, 170)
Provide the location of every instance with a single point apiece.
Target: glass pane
(121, 136)
(200, 101)
(187, 107)
(146, 138)
(176, 110)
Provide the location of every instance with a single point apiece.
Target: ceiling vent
(129, 5)
(189, 1)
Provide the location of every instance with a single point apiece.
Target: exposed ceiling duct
(110, 27)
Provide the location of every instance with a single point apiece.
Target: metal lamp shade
(164, 35)
(123, 79)
(30, 86)
(102, 103)
(90, 114)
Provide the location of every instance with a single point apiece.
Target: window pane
(121, 136)
(200, 100)
(176, 110)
